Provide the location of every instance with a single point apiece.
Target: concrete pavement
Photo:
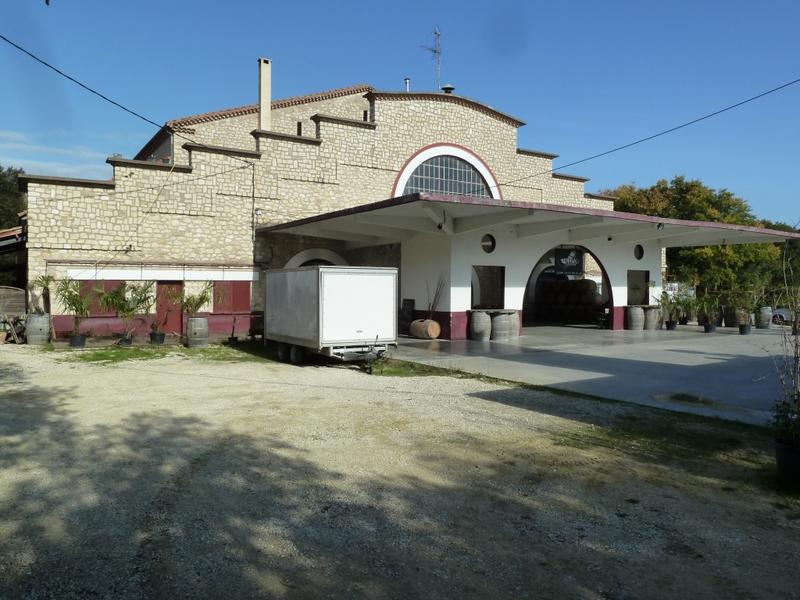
(723, 374)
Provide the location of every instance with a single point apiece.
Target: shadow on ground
(160, 505)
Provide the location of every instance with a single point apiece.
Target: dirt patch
(182, 476)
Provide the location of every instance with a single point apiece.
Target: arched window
(446, 174)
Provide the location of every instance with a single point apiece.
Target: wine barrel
(480, 325)
(500, 326)
(425, 329)
(513, 325)
(764, 318)
(651, 314)
(634, 318)
(572, 298)
(37, 329)
(197, 332)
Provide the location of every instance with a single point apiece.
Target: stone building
(221, 196)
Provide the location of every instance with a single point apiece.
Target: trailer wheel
(283, 352)
(297, 355)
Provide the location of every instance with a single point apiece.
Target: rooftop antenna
(436, 52)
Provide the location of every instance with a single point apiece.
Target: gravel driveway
(183, 477)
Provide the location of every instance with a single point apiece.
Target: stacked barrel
(568, 301)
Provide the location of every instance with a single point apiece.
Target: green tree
(11, 199)
(712, 267)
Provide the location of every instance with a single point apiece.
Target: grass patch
(118, 354)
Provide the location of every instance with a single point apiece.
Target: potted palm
(77, 303)
(742, 309)
(196, 326)
(707, 312)
(128, 300)
(668, 308)
(685, 304)
(148, 303)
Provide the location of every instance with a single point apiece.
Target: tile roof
(249, 109)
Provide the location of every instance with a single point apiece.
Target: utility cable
(106, 98)
(655, 135)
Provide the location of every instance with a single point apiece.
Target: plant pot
(671, 325)
(157, 338)
(125, 340)
(787, 460)
(77, 341)
(744, 329)
(709, 328)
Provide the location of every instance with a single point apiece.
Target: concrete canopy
(399, 219)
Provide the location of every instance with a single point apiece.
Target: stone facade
(199, 207)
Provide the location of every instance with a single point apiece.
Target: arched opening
(446, 169)
(315, 256)
(568, 286)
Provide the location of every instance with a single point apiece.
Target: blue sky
(584, 76)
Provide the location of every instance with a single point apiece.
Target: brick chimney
(264, 94)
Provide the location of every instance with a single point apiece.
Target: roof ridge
(280, 103)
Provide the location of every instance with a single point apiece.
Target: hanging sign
(569, 261)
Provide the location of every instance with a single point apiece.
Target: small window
(638, 252)
(299, 128)
(488, 243)
(366, 115)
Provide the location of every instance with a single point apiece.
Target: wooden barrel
(37, 329)
(500, 326)
(634, 318)
(197, 332)
(480, 325)
(425, 329)
(764, 318)
(513, 325)
(651, 315)
(572, 298)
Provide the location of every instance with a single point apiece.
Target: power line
(655, 135)
(103, 96)
(247, 163)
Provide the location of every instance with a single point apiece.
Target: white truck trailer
(348, 313)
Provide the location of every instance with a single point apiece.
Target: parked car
(782, 316)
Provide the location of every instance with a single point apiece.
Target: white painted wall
(422, 260)
(424, 257)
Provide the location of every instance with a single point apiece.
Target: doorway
(567, 286)
(169, 316)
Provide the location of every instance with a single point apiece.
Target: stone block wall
(206, 214)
